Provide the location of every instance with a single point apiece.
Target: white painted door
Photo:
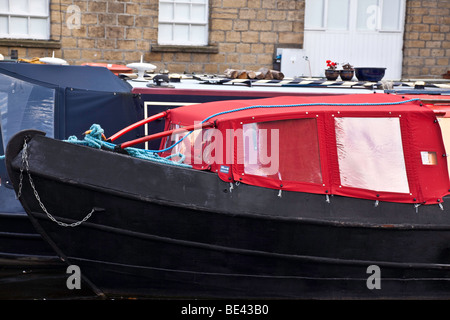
(364, 33)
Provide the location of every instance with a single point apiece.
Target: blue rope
(94, 140)
(309, 105)
(287, 106)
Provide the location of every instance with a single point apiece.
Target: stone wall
(110, 31)
(246, 34)
(427, 39)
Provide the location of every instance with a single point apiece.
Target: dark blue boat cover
(80, 77)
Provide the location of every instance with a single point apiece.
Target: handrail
(165, 134)
(137, 124)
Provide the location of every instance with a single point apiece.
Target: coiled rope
(94, 140)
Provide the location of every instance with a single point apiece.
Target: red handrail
(137, 124)
(165, 134)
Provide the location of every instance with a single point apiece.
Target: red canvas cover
(419, 139)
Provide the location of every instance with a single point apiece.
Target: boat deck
(286, 86)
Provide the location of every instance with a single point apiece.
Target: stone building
(426, 50)
(209, 36)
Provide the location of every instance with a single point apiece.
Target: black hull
(21, 244)
(166, 231)
(19, 240)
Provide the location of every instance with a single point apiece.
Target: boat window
(190, 146)
(286, 150)
(429, 158)
(370, 154)
(24, 105)
(2, 149)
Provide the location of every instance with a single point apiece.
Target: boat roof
(79, 77)
(286, 106)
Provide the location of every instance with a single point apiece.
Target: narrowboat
(64, 100)
(285, 198)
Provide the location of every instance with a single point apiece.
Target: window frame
(204, 23)
(28, 15)
(352, 18)
(238, 171)
(252, 135)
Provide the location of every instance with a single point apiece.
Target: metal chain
(25, 165)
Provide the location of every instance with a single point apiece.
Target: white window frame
(189, 23)
(351, 24)
(325, 9)
(6, 12)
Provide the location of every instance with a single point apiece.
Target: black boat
(287, 197)
(65, 100)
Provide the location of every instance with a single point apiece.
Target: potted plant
(331, 73)
(347, 72)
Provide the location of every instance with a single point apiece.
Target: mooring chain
(25, 165)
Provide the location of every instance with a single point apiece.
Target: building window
(24, 19)
(379, 15)
(362, 15)
(183, 22)
(327, 14)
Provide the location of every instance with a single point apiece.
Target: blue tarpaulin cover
(80, 77)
